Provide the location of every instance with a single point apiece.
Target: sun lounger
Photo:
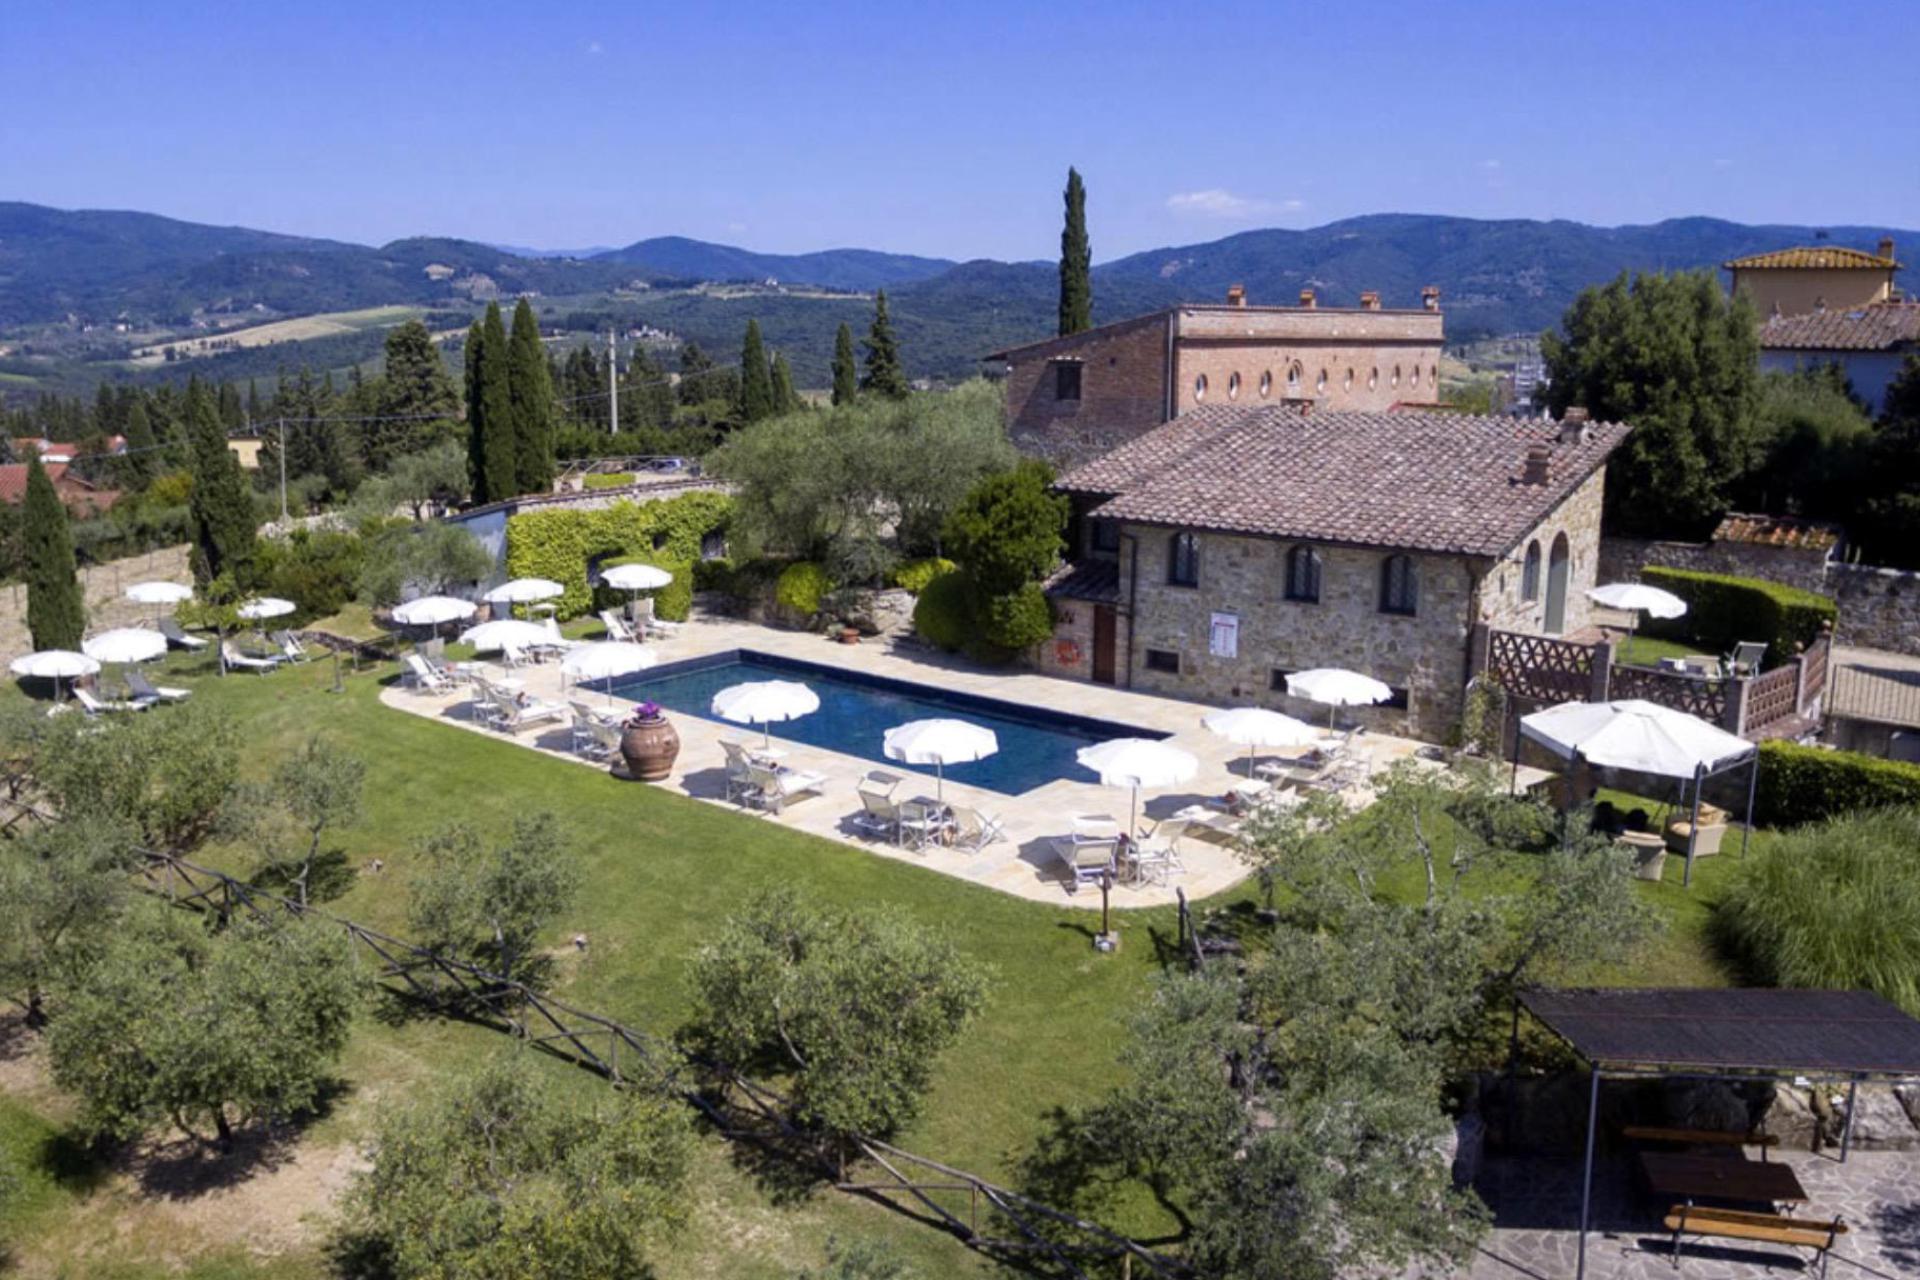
(880, 782)
(879, 815)
(1088, 859)
(516, 711)
(290, 646)
(177, 637)
(95, 707)
(771, 786)
(144, 690)
(423, 678)
(649, 619)
(234, 660)
(617, 628)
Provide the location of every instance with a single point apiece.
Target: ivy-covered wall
(557, 543)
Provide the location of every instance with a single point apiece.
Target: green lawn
(1646, 651)
(661, 871)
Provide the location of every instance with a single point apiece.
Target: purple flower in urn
(645, 711)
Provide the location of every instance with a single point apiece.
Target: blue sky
(947, 129)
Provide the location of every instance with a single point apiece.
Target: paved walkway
(1025, 864)
(1536, 1203)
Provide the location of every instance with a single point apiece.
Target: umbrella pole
(939, 781)
(1250, 747)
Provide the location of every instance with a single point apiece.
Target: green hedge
(603, 480)
(914, 575)
(1804, 784)
(943, 613)
(671, 603)
(1723, 611)
(802, 585)
(557, 543)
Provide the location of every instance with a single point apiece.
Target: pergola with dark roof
(1726, 1034)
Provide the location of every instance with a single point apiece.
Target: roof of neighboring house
(72, 489)
(1778, 531)
(1822, 257)
(1420, 481)
(1880, 327)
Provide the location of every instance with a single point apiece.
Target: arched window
(1396, 375)
(1373, 378)
(1266, 384)
(1347, 384)
(1530, 573)
(1433, 375)
(1200, 387)
(1183, 560)
(1399, 585)
(1320, 383)
(1303, 574)
(1233, 386)
(1293, 379)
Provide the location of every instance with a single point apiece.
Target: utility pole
(613, 382)
(283, 473)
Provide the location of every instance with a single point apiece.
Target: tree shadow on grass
(332, 875)
(184, 1167)
(1070, 1170)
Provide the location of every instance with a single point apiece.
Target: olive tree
(500, 1175)
(177, 1023)
(168, 778)
(63, 887)
(854, 1005)
(313, 791)
(488, 900)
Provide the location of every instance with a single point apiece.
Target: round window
(1200, 387)
(1233, 386)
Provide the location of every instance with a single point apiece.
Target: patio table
(1674, 1175)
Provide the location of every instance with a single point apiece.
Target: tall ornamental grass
(1833, 904)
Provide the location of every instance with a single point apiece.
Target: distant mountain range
(1495, 276)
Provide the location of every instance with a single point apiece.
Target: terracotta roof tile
(1777, 531)
(1422, 481)
(1875, 328)
(1823, 257)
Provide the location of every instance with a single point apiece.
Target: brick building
(1071, 399)
(1219, 552)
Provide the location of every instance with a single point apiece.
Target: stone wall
(1879, 608)
(1070, 653)
(1245, 578)
(1502, 602)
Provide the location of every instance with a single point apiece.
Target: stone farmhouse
(1801, 281)
(1214, 554)
(1868, 343)
(1071, 399)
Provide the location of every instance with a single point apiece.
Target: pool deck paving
(1024, 864)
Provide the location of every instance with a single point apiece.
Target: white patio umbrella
(1135, 763)
(1337, 687)
(939, 743)
(55, 665)
(525, 591)
(636, 577)
(123, 645)
(1259, 727)
(159, 593)
(433, 611)
(490, 637)
(762, 702)
(1644, 737)
(1637, 598)
(605, 659)
(266, 607)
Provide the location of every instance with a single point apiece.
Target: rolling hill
(857, 270)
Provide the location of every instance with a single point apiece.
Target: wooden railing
(1696, 695)
(1540, 668)
(991, 1219)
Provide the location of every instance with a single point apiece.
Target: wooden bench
(1699, 1137)
(1762, 1228)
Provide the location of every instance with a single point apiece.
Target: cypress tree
(756, 380)
(476, 457)
(846, 373)
(143, 457)
(1076, 261)
(530, 390)
(884, 374)
(56, 616)
(493, 448)
(785, 398)
(222, 508)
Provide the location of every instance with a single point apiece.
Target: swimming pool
(856, 709)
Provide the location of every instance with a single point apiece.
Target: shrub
(1019, 620)
(1723, 610)
(1804, 784)
(558, 543)
(943, 613)
(802, 584)
(613, 480)
(1834, 905)
(671, 603)
(319, 570)
(914, 575)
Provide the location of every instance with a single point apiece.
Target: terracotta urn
(649, 744)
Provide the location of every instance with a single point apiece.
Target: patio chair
(974, 830)
(739, 781)
(95, 707)
(422, 678)
(879, 816)
(514, 656)
(1746, 658)
(649, 619)
(772, 786)
(1158, 859)
(289, 645)
(1088, 859)
(177, 636)
(144, 690)
(234, 660)
(617, 628)
(592, 735)
(555, 643)
(922, 822)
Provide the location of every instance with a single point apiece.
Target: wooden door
(1557, 571)
(1103, 644)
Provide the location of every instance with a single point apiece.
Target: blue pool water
(856, 710)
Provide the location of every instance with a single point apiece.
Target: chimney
(1539, 464)
(1886, 247)
(1370, 300)
(1306, 299)
(1575, 429)
(1236, 295)
(1430, 297)
(1576, 413)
